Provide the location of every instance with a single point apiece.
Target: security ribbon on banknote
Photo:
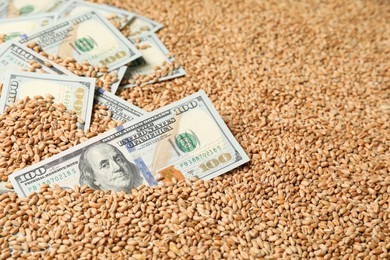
(86, 37)
(184, 139)
(76, 93)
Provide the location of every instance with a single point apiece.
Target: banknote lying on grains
(155, 64)
(186, 138)
(81, 53)
(122, 42)
(11, 28)
(17, 8)
(76, 93)
(117, 16)
(86, 37)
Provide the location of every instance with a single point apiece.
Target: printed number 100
(112, 59)
(215, 162)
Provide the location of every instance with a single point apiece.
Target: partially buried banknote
(15, 56)
(15, 8)
(156, 63)
(115, 15)
(139, 24)
(186, 138)
(12, 28)
(76, 93)
(86, 37)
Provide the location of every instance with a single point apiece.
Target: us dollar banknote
(76, 93)
(115, 15)
(12, 28)
(121, 109)
(15, 56)
(86, 37)
(16, 8)
(186, 138)
(140, 24)
(156, 63)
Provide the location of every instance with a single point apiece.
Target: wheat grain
(302, 86)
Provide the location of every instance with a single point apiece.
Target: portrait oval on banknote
(104, 167)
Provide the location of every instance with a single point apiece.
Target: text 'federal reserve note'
(119, 108)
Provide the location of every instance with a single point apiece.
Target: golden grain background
(305, 88)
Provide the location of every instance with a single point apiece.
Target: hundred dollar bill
(76, 93)
(12, 28)
(139, 24)
(15, 56)
(156, 63)
(121, 109)
(114, 15)
(86, 37)
(186, 138)
(15, 8)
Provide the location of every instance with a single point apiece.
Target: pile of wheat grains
(304, 87)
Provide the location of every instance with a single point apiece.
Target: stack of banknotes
(185, 139)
